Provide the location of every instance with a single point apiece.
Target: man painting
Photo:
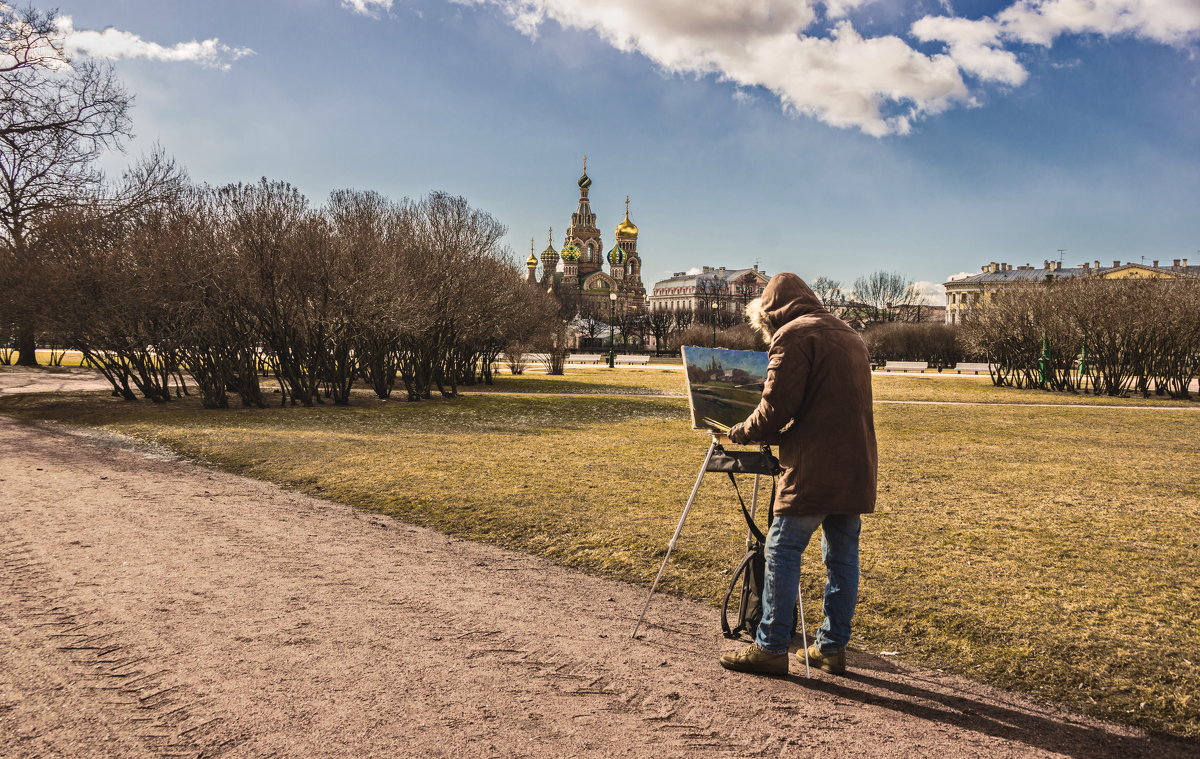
(816, 406)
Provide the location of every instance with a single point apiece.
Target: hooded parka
(816, 406)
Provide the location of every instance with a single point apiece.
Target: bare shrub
(738, 337)
(1108, 337)
(937, 344)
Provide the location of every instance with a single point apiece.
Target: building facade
(576, 273)
(729, 289)
(968, 292)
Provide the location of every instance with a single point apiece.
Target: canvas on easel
(724, 385)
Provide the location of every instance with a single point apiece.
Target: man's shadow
(966, 711)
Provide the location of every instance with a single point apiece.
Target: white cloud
(976, 45)
(1172, 22)
(931, 293)
(694, 270)
(367, 7)
(880, 85)
(877, 84)
(960, 275)
(114, 43)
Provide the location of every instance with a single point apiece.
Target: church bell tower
(583, 232)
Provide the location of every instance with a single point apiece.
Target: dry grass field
(891, 387)
(1054, 550)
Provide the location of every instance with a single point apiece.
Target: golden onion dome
(627, 228)
(531, 262)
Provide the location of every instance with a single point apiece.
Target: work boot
(754, 659)
(833, 662)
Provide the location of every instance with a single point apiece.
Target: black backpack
(743, 599)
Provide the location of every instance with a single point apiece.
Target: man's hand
(722, 439)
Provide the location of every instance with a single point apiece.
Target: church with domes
(577, 272)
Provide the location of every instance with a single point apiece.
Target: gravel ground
(150, 607)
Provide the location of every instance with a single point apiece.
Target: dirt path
(15, 380)
(150, 607)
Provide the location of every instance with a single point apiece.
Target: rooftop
(1002, 272)
(683, 278)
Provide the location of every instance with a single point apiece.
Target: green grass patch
(1052, 550)
(890, 387)
(45, 356)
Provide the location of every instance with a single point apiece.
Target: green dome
(617, 256)
(570, 253)
(549, 257)
(584, 181)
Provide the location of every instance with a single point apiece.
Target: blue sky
(737, 144)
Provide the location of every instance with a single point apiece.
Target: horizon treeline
(1108, 337)
(230, 283)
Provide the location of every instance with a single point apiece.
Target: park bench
(906, 366)
(585, 358)
(629, 359)
(973, 368)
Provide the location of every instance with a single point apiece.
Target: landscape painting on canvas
(723, 385)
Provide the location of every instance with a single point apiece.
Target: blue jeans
(785, 544)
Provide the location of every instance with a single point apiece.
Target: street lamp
(612, 337)
(715, 306)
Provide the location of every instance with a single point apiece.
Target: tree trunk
(26, 346)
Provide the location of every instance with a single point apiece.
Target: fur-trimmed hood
(786, 298)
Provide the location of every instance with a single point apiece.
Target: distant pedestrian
(816, 406)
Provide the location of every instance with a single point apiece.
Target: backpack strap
(742, 568)
(758, 534)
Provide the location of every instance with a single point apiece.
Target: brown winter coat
(816, 405)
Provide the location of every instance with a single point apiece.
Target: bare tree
(684, 319)
(42, 90)
(882, 294)
(710, 291)
(553, 340)
(741, 292)
(828, 290)
(637, 324)
(590, 320)
(660, 322)
(56, 117)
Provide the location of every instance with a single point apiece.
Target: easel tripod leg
(803, 627)
(678, 529)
